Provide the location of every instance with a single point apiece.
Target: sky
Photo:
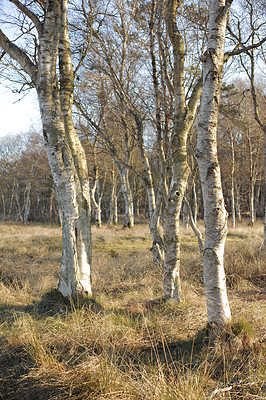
(18, 114)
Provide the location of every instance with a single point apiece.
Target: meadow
(125, 342)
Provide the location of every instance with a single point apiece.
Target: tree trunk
(256, 202)
(115, 209)
(154, 202)
(251, 203)
(184, 115)
(27, 203)
(233, 209)
(185, 216)
(233, 181)
(126, 190)
(65, 154)
(263, 247)
(113, 200)
(11, 201)
(51, 201)
(237, 202)
(97, 204)
(194, 202)
(4, 206)
(75, 211)
(136, 206)
(171, 279)
(194, 226)
(18, 202)
(215, 215)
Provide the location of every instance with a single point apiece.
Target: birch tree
(249, 42)
(184, 115)
(215, 214)
(47, 62)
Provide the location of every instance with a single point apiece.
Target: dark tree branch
(243, 49)
(18, 55)
(29, 14)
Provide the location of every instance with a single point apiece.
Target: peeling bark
(184, 115)
(65, 154)
(127, 194)
(215, 215)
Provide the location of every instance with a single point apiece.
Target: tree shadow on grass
(183, 352)
(15, 384)
(53, 303)
(18, 383)
(17, 362)
(19, 377)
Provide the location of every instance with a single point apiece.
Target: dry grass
(125, 343)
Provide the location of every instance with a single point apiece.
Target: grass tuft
(125, 342)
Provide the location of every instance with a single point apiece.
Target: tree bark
(194, 202)
(185, 215)
(97, 204)
(233, 209)
(215, 215)
(183, 119)
(27, 202)
(4, 206)
(11, 201)
(194, 226)
(127, 194)
(237, 202)
(65, 154)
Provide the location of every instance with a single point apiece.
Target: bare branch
(33, 17)
(244, 49)
(18, 55)
(193, 102)
(105, 139)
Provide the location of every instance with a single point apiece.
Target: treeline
(129, 95)
(28, 193)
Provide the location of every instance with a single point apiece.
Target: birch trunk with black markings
(215, 214)
(66, 156)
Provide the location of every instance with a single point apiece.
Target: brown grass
(125, 342)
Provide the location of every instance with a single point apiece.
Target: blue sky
(18, 114)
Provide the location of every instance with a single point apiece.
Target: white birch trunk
(237, 203)
(251, 180)
(27, 203)
(233, 204)
(194, 226)
(97, 205)
(4, 206)
(115, 210)
(98, 216)
(112, 199)
(195, 203)
(184, 115)
(18, 203)
(251, 204)
(185, 216)
(233, 181)
(11, 201)
(263, 247)
(126, 190)
(65, 154)
(154, 204)
(51, 201)
(256, 202)
(171, 278)
(215, 215)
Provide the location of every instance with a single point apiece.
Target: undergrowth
(125, 342)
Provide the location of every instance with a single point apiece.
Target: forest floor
(125, 342)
